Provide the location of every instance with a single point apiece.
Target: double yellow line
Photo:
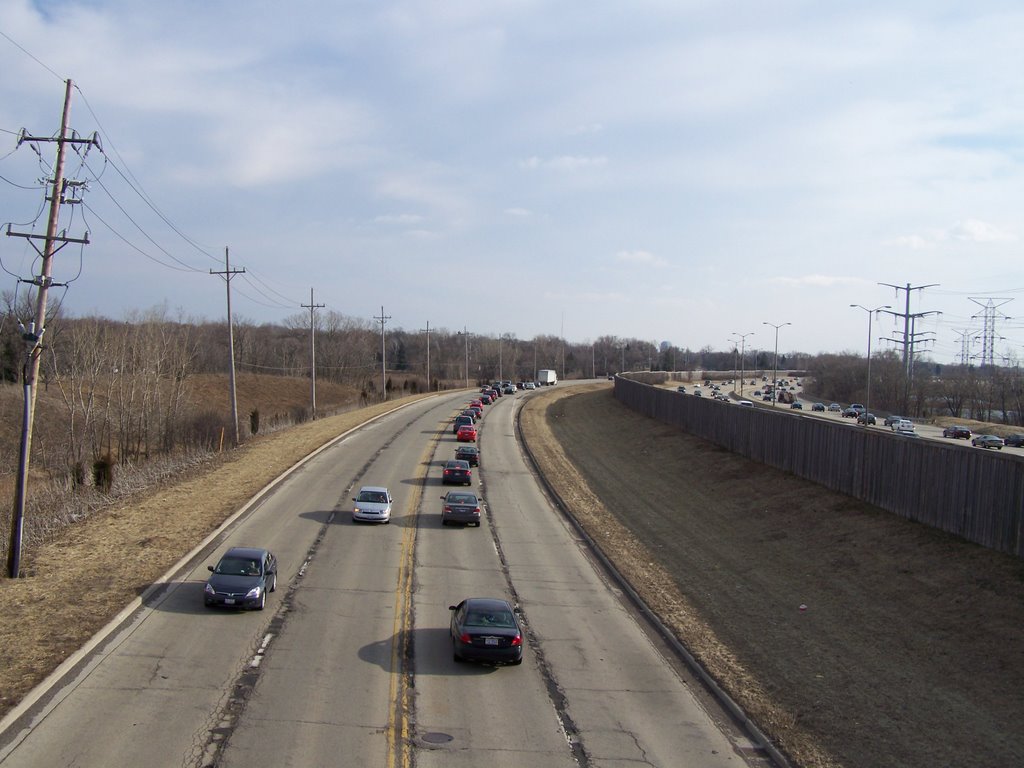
(399, 748)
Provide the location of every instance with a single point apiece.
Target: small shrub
(103, 473)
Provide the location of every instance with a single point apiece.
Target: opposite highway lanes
(351, 662)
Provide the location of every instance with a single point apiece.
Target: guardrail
(975, 494)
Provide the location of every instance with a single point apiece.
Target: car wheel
(444, 522)
(263, 601)
(517, 662)
(273, 584)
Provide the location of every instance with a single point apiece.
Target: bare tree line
(123, 387)
(117, 396)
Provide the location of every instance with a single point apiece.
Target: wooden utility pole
(32, 336)
(312, 352)
(227, 274)
(382, 319)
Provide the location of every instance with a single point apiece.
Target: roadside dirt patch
(853, 637)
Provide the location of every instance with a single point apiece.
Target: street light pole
(775, 364)
(743, 370)
(465, 333)
(867, 395)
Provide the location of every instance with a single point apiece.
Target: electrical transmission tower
(909, 336)
(988, 333)
(965, 337)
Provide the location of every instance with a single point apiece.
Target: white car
(903, 425)
(372, 505)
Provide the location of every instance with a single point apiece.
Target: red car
(466, 434)
(478, 403)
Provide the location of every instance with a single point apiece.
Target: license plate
(490, 641)
(229, 601)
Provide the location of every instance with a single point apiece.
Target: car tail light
(517, 640)
(465, 638)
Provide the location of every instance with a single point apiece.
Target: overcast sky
(679, 170)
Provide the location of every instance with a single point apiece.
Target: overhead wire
(130, 244)
(26, 52)
(135, 185)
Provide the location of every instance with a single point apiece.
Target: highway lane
(351, 662)
(610, 692)
(169, 688)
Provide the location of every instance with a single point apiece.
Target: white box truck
(547, 377)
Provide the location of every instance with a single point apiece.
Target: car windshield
(238, 566)
(373, 496)
(461, 498)
(497, 618)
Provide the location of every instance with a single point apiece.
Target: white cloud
(640, 257)
(818, 281)
(398, 218)
(913, 242)
(564, 162)
(966, 231)
(976, 231)
(520, 212)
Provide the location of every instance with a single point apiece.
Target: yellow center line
(398, 746)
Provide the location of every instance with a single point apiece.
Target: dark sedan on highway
(1014, 441)
(241, 579)
(460, 507)
(486, 629)
(456, 471)
(957, 431)
(468, 453)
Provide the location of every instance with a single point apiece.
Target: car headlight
(253, 593)
(356, 510)
(209, 590)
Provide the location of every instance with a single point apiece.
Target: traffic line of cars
(483, 629)
(903, 426)
(959, 432)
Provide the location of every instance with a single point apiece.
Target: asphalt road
(351, 662)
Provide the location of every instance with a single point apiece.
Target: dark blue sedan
(241, 579)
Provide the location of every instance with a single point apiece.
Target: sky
(666, 170)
